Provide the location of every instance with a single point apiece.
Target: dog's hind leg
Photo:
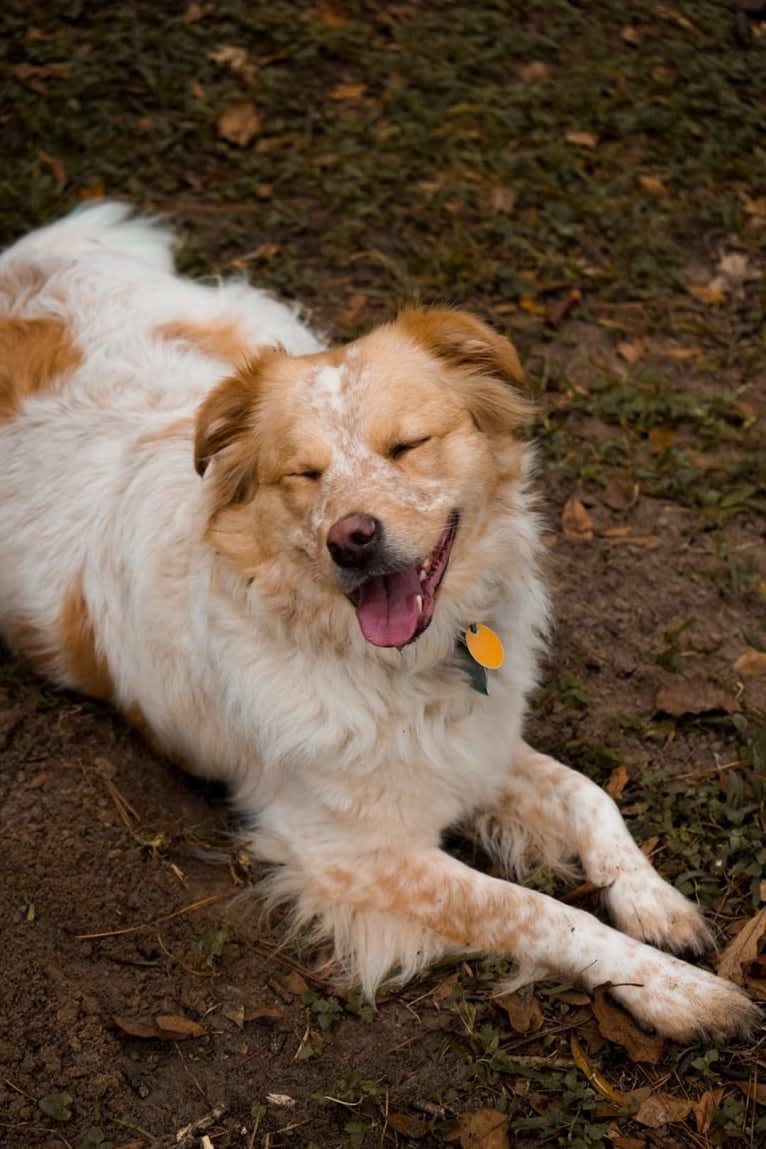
(562, 814)
(428, 892)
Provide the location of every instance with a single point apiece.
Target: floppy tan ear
(222, 418)
(486, 364)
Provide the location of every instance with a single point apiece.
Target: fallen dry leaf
(164, 1027)
(502, 200)
(557, 310)
(743, 948)
(266, 1013)
(407, 1125)
(751, 662)
(235, 1013)
(482, 1129)
(705, 1109)
(661, 1109)
(679, 353)
(523, 1010)
(709, 295)
(618, 780)
(194, 12)
(57, 169)
(582, 139)
(350, 313)
(177, 1027)
(673, 16)
(694, 696)
(235, 58)
(239, 124)
(755, 1090)
(347, 91)
(630, 352)
(594, 1075)
(576, 523)
(283, 1100)
(295, 983)
(534, 72)
(661, 439)
(627, 1142)
(652, 186)
(616, 1025)
(631, 35)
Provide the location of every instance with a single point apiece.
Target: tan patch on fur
(34, 354)
(87, 666)
(19, 283)
(221, 338)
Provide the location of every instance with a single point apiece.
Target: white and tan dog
(265, 554)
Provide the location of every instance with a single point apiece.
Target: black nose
(355, 541)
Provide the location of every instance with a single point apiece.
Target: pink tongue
(388, 613)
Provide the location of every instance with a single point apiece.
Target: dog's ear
(227, 427)
(486, 365)
(222, 418)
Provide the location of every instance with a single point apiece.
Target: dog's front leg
(474, 912)
(565, 814)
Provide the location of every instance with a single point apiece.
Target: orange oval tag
(484, 646)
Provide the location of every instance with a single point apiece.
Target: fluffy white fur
(351, 760)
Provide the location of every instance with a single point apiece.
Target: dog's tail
(107, 227)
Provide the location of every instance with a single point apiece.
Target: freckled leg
(566, 814)
(474, 912)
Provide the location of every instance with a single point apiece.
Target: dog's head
(369, 474)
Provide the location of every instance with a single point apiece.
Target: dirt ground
(590, 178)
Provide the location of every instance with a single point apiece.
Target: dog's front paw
(685, 1003)
(646, 907)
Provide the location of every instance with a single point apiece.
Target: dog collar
(479, 649)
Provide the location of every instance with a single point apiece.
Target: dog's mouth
(394, 608)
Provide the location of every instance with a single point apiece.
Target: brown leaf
(523, 1010)
(705, 1109)
(176, 1027)
(616, 1025)
(295, 983)
(502, 200)
(236, 59)
(350, 313)
(445, 988)
(482, 1129)
(755, 1090)
(630, 352)
(648, 846)
(582, 139)
(407, 1125)
(534, 72)
(58, 171)
(347, 91)
(239, 124)
(694, 696)
(678, 353)
(194, 12)
(266, 1013)
(627, 1143)
(618, 780)
(136, 1028)
(662, 1108)
(709, 295)
(661, 438)
(751, 662)
(631, 35)
(576, 523)
(235, 1013)
(594, 1075)
(743, 948)
(652, 186)
(557, 311)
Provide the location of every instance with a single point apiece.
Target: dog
(313, 573)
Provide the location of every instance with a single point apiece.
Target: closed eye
(311, 476)
(400, 449)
